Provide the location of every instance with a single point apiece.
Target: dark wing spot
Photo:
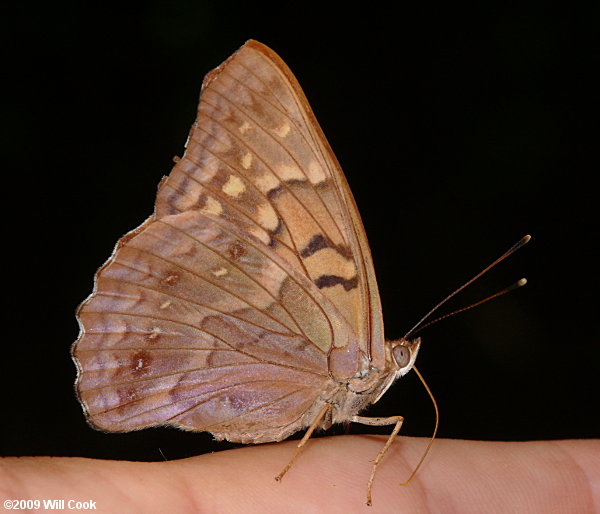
(171, 278)
(210, 360)
(236, 250)
(333, 280)
(140, 363)
(201, 202)
(317, 243)
(344, 251)
(237, 402)
(272, 193)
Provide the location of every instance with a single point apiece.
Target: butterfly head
(404, 353)
(400, 360)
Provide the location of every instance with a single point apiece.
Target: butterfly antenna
(437, 422)
(510, 288)
(524, 240)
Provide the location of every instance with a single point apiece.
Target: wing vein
(247, 182)
(268, 166)
(114, 294)
(275, 300)
(122, 420)
(210, 134)
(299, 284)
(315, 148)
(179, 372)
(204, 331)
(285, 149)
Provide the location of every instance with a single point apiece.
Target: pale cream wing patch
(257, 158)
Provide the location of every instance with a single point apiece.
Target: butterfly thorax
(351, 396)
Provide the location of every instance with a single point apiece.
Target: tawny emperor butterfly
(246, 305)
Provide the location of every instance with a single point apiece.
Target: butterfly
(247, 304)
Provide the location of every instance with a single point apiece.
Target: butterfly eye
(401, 356)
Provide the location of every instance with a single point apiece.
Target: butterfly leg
(397, 420)
(303, 441)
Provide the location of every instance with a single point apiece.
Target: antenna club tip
(526, 239)
(522, 282)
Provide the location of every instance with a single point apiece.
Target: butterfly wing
(195, 323)
(252, 285)
(257, 154)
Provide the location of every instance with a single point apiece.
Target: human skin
(330, 476)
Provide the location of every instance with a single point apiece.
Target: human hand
(329, 476)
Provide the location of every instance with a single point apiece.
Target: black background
(459, 129)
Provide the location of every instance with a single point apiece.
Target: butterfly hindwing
(188, 311)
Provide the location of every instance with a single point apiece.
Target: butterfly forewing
(232, 308)
(257, 155)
